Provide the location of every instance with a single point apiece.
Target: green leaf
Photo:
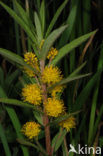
(18, 103)
(42, 16)
(76, 71)
(57, 14)
(68, 79)
(4, 141)
(91, 132)
(50, 40)
(85, 92)
(38, 28)
(93, 113)
(27, 143)
(11, 77)
(17, 126)
(81, 126)
(69, 47)
(63, 117)
(17, 32)
(15, 102)
(22, 13)
(15, 121)
(22, 24)
(58, 139)
(98, 118)
(70, 21)
(16, 58)
(38, 117)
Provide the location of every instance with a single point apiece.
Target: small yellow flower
(52, 53)
(54, 107)
(32, 94)
(31, 59)
(31, 129)
(29, 72)
(41, 44)
(68, 123)
(51, 75)
(57, 89)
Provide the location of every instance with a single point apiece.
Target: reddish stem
(45, 117)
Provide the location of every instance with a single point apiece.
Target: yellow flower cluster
(32, 94)
(52, 53)
(31, 129)
(54, 107)
(57, 89)
(68, 123)
(51, 75)
(31, 59)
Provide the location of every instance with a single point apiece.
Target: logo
(85, 150)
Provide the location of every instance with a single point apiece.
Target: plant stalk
(45, 117)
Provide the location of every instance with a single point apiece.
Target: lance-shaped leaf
(18, 20)
(69, 47)
(63, 117)
(27, 143)
(24, 15)
(68, 79)
(38, 28)
(42, 16)
(83, 96)
(76, 71)
(57, 14)
(18, 103)
(58, 139)
(50, 40)
(21, 12)
(15, 58)
(22, 24)
(70, 21)
(15, 121)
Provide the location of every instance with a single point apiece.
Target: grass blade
(69, 47)
(57, 14)
(4, 141)
(17, 33)
(92, 115)
(70, 21)
(15, 121)
(76, 71)
(85, 92)
(22, 13)
(94, 102)
(22, 24)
